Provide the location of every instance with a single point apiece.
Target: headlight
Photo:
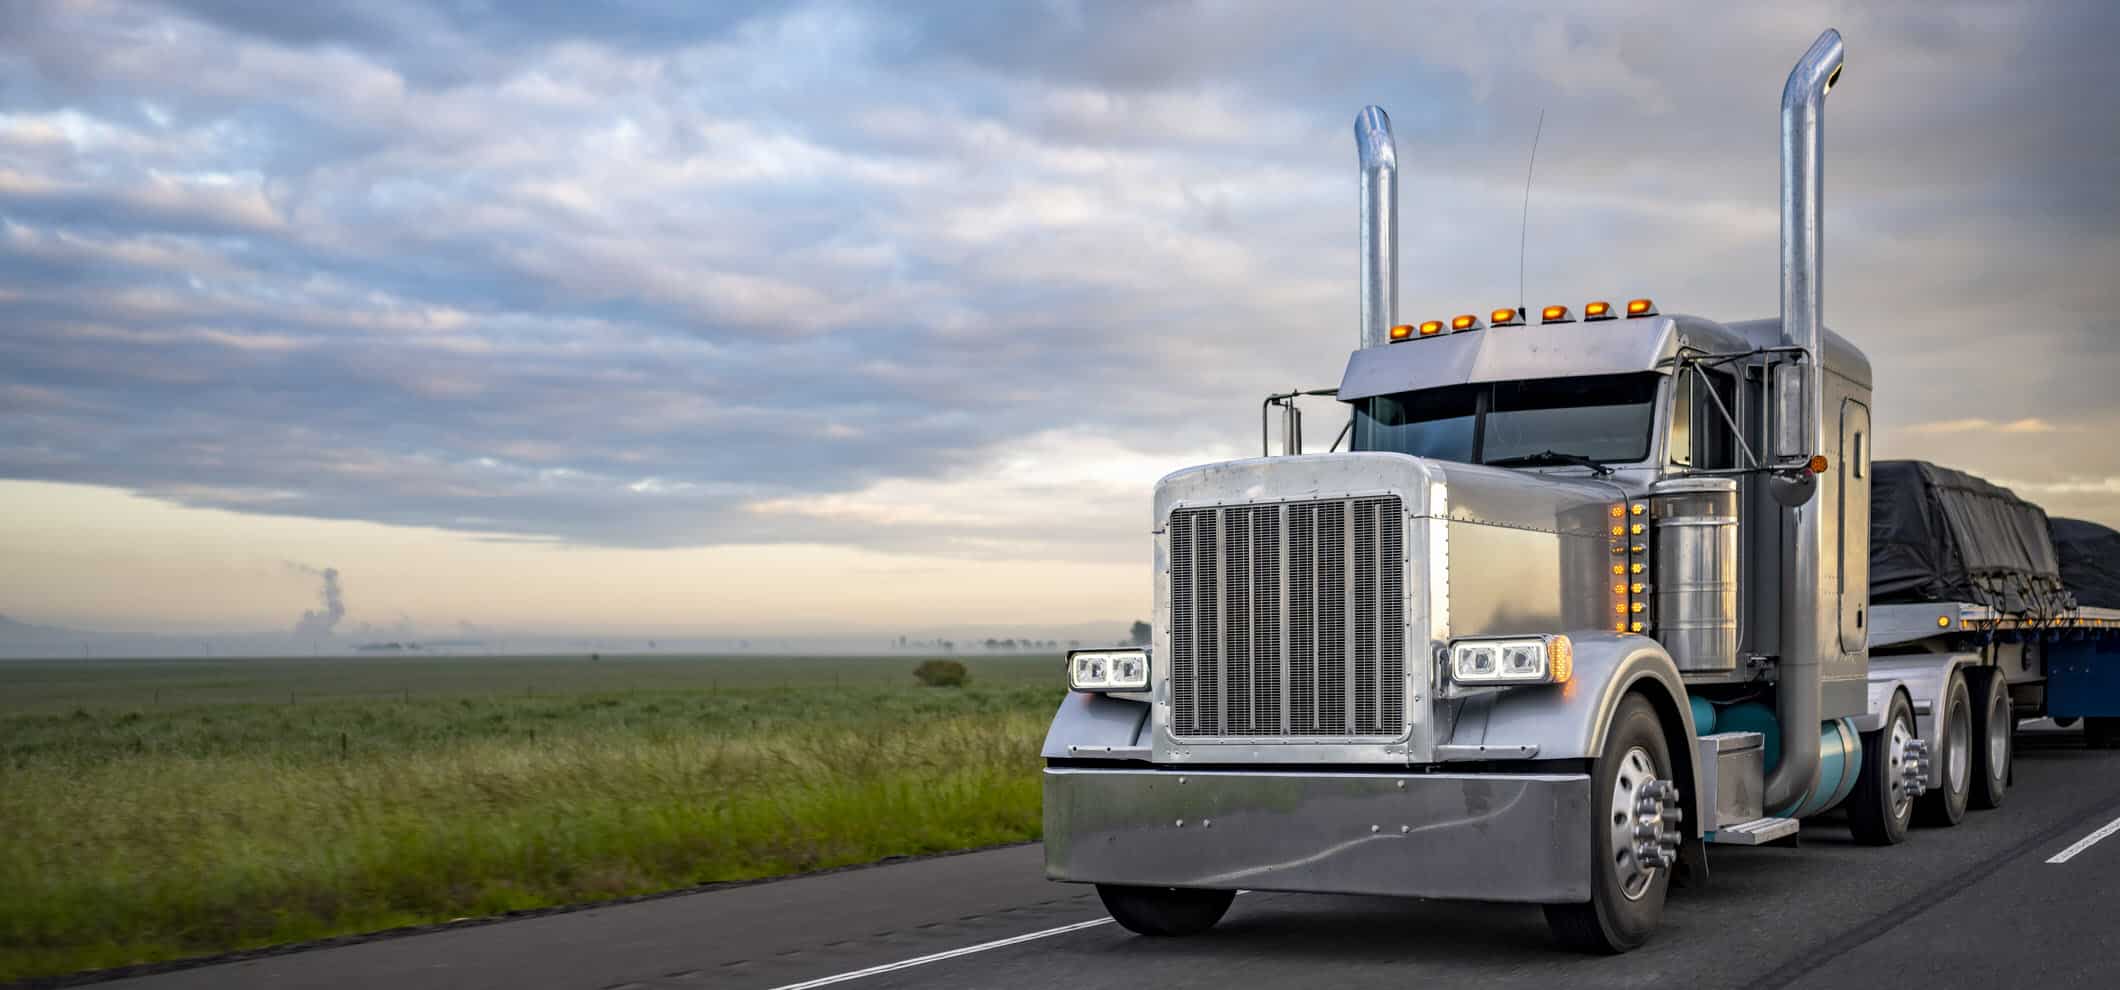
(1529, 660)
(1107, 670)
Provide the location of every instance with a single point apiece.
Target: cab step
(1757, 832)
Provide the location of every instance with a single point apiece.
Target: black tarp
(1939, 535)
(2090, 561)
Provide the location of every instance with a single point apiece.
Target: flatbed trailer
(2064, 667)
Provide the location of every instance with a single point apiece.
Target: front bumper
(1468, 836)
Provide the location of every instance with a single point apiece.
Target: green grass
(156, 810)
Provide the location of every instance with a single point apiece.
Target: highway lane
(1975, 904)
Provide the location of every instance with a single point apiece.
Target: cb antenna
(1523, 228)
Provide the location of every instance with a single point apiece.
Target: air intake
(1288, 620)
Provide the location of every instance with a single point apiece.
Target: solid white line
(2086, 842)
(940, 956)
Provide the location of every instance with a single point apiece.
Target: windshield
(1606, 418)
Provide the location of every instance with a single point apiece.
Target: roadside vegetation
(156, 810)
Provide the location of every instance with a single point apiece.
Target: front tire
(1994, 731)
(1165, 910)
(1945, 805)
(1880, 807)
(1626, 892)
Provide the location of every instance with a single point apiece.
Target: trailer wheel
(1165, 910)
(2101, 732)
(1631, 854)
(1994, 729)
(1945, 805)
(1883, 800)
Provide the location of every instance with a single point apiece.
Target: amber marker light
(1503, 318)
(1466, 321)
(1403, 331)
(1640, 307)
(1553, 314)
(1817, 464)
(1431, 328)
(1597, 311)
(1560, 659)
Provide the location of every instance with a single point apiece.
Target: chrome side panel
(1493, 837)
(1569, 721)
(1530, 550)
(1097, 726)
(1507, 582)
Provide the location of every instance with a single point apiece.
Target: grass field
(161, 809)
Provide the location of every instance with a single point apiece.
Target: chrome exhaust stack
(1799, 413)
(1379, 156)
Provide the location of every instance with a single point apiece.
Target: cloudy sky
(768, 319)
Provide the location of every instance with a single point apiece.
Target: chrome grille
(1288, 619)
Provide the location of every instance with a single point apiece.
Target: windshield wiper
(1556, 455)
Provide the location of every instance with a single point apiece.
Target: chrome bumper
(1467, 836)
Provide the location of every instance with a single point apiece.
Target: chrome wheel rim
(1636, 783)
(1958, 749)
(1902, 736)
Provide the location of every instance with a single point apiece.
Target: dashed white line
(2085, 843)
(824, 981)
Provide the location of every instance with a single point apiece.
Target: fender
(1569, 721)
(1923, 676)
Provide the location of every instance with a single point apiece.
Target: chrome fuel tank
(1695, 572)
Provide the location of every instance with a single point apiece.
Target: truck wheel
(1165, 910)
(1994, 726)
(1883, 800)
(1632, 839)
(1945, 806)
(2101, 732)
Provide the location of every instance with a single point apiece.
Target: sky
(747, 319)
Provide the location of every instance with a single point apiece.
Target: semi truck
(1589, 592)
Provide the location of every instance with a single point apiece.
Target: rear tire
(1879, 808)
(1994, 743)
(1165, 910)
(2101, 732)
(1626, 897)
(1953, 748)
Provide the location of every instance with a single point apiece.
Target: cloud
(2030, 424)
(764, 273)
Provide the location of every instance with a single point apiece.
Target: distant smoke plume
(318, 623)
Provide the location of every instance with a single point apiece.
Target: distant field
(160, 809)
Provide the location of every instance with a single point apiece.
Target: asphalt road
(1975, 905)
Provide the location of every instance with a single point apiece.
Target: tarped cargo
(2090, 561)
(1941, 535)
